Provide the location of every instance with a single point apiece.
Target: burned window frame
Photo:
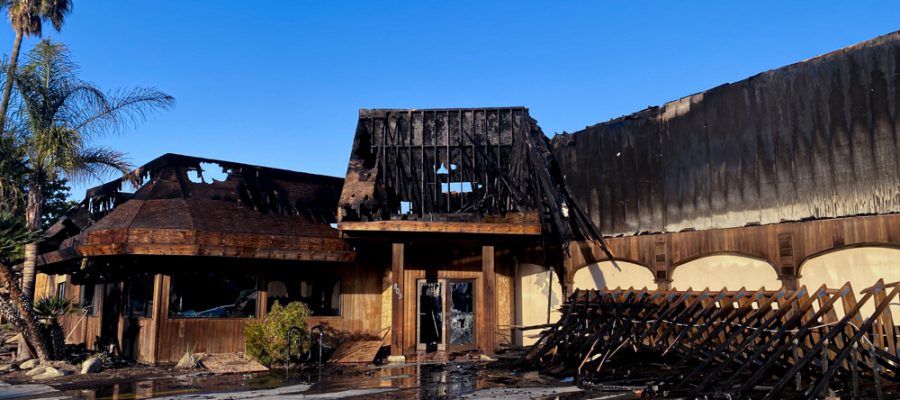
(174, 295)
(315, 280)
(90, 304)
(147, 282)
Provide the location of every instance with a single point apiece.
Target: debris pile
(728, 344)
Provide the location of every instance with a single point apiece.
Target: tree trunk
(8, 85)
(33, 212)
(25, 321)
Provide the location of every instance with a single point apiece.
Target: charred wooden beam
(765, 340)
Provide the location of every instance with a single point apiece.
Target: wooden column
(155, 316)
(397, 264)
(488, 301)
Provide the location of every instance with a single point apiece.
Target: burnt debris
(728, 344)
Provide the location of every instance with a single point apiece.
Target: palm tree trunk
(8, 85)
(33, 211)
(25, 321)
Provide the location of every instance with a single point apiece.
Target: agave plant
(51, 308)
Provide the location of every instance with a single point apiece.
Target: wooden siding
(816, 139)
(162, 339)
(429, 261)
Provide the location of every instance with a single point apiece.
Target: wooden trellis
(735, 344)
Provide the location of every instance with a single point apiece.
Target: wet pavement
(427, 380)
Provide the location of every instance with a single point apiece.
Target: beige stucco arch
(732, 271)
(535, 286)
(861, 266)
(624, 274)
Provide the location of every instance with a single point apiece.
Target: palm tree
(60, 114)
(27, 18)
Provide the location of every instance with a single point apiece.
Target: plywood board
(356, 351)
(230, 363)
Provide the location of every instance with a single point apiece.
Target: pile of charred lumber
(728, 344)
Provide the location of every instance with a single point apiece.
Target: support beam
(488, 288)
(397, 265)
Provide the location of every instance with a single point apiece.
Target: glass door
(461, 321)
(445, 315)
(430, 328)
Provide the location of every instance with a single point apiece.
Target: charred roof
(253, 211)
(459, 165)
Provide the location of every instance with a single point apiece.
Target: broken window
(88, 299)
(137, 296)
(322, 294)
(212, 295)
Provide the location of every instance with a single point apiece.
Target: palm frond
(13, 236)
(97, 163)
(28, 16)
(53, 307)
(55, 12)
(120, 109)
(63, 113)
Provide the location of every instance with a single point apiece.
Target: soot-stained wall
(816, 139)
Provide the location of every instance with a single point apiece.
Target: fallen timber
(728, 344)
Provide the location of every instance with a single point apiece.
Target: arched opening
(537, 291)
(611, 275)
(861, 266)
(725, 270)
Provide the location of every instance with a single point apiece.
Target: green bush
(266, 339)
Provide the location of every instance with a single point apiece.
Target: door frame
(447, 305)
(445, 314)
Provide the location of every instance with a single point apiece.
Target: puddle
(432, 380)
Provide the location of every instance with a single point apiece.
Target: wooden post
(397, 264)
(488, 320)
(155, 316)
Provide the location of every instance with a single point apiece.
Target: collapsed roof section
(179, 209)
(459, 171)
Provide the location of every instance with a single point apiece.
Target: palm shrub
(52, 308)
(266, 339)
(49, 310)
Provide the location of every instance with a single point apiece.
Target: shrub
(52, 308)
(266, 339)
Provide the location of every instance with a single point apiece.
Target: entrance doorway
(445, 314)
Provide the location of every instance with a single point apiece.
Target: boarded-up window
(212, 295)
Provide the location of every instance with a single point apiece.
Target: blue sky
(280, 84)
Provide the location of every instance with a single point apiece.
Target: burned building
(457, 199)
(186, 255)
(789, 177)
(457, 229)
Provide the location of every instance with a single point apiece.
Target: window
(61, 290)
(88, 299)
(322, 294)
(212, 295)
(137, 296)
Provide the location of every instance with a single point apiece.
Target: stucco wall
(718, 271)
(621, 274)
(533, 287)
(862, 267)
